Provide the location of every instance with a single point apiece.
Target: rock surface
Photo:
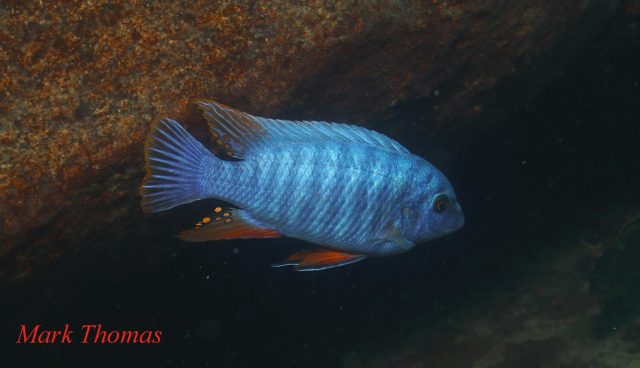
(546, 323)
(81, 82)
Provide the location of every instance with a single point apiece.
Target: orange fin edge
(319, 259)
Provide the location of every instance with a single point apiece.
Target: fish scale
(305, 171)
(312, 220)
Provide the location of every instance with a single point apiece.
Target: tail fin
(175, 163)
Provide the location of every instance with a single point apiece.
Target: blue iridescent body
(351, 190)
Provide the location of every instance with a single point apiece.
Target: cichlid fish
(353, 191)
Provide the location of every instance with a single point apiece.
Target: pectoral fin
(396, 236)
(228, 223)
(319, 259)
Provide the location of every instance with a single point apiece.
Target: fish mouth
(458, 226)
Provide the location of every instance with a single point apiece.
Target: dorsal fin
(234, 131)
(239, 132)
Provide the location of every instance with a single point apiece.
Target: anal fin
(319, 259)
(228, 223)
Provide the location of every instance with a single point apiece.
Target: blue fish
(355, 192)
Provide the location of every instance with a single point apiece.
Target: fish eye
(441, 203)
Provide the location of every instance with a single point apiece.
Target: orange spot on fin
(319, 259)
(240, 225)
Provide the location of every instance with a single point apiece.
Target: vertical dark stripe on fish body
(351, 198)
(268, 182)
(314, 181)
(278, 192)
(363, 200)
(355, 198)
(297, 185)
(340, 188)
(329, 185)
(368, 193)
(316, 197)
(271, 195)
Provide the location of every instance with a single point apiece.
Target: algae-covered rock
(80, 82)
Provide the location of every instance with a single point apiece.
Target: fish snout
(460, 216)
(457, 220)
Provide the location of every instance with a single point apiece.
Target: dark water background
(565, 160)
